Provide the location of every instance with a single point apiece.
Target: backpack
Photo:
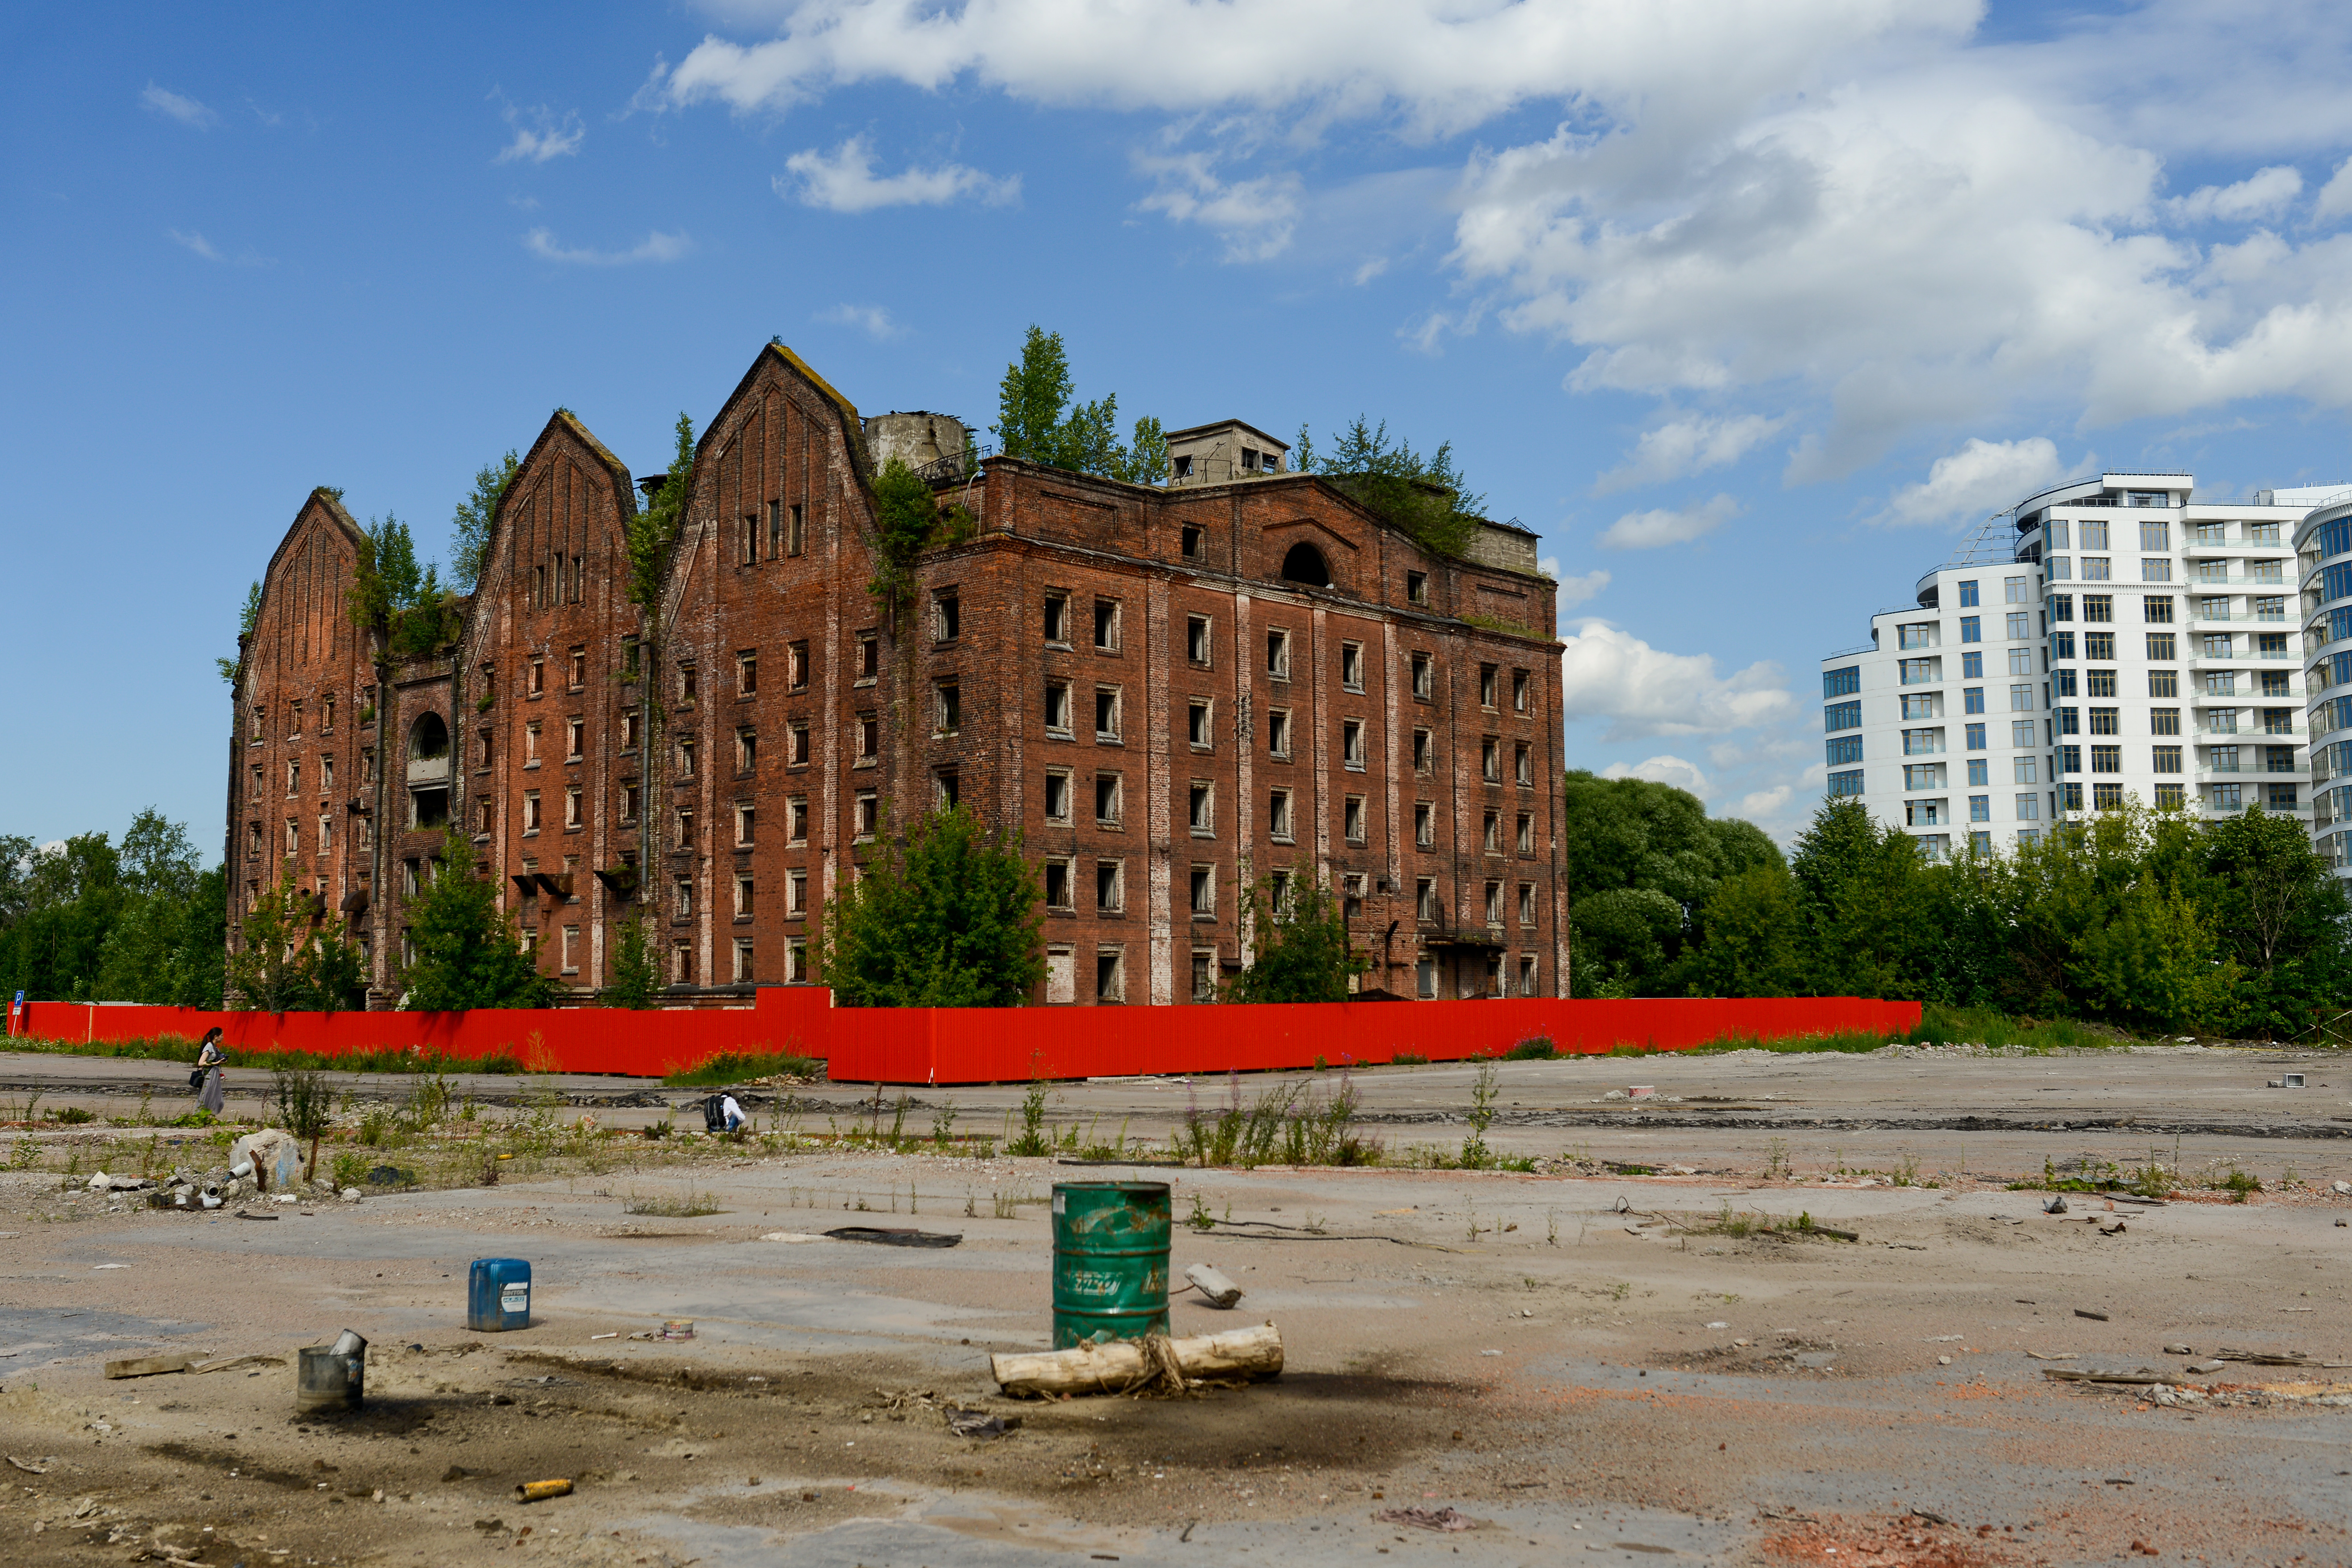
(714, 1117)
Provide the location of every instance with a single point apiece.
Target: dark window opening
(1305, 564)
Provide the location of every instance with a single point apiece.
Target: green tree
(1299, 946)
(1642, 859)
(951, 919)
(245, 619)
(1038, 418)
(1424, 497)
(469, 527)
(907, 519)
(1862, 890)
(1751, 937)
(293, 956)
(2281, 920)
(635, 973)
(468, 952)
(392, 593)
(651, 531)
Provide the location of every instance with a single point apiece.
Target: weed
(741, 1067)
(691, 1206)
(1475, 1155)
(1551, 1228)
(1776, 1158)
(1409, 1060)
(1032, 1143)
(72, 1115)
(1534, 1048)
(1619, 1290)
(1007, 1204)
(2238, 1184)
(375, 1126)
(943, 1116)
(1907, 1169)
(970, 1209)
(1201, 1218)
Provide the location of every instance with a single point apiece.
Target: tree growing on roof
(469, 528)
(1040, 419)
(1426, 499)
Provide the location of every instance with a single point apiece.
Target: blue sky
(1748, 310)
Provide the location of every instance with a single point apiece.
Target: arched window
(428, 739)
(1305, 564)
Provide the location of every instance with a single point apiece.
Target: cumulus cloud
(1664, 526)
(1438, 66)
(176, 105)
(844, 181)
(1255, 217)
(654, 246)
(1688, 445)
(1609, 673)
(1666, 770)
(2264, 193)
(544, 138)
(2336, 196)
(1764, 803)
(1572, 590)
(1855, 209)
(1980, 479)
(872, 319)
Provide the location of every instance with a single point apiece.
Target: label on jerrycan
(514, 1298)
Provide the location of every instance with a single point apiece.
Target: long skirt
(212, 1099)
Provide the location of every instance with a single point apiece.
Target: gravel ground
(1578, 1360)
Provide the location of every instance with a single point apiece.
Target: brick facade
(1170, 691)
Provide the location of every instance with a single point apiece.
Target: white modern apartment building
(2104, 640)
(2322, 544)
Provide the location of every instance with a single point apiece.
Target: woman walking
(209, 1062)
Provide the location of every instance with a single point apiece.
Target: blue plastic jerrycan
(497, 1295)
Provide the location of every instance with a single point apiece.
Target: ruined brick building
(1237, 676)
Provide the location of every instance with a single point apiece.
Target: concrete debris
(2180, 1350)
(1443, 1518)
(147, 1366)
(1219, 1290)
(2087, 1312)
(2057, 1205)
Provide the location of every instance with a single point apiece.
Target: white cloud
(1684, 447)
(1574, 591)
(1980, 479)
(1763, 803)
(1440, 66)
(654, 246)
(1857, 210)
(2264, 193)
(1254, 218)
(1653, 530)
(2336, 196)
(844, 182)
(872, 319)
(1666, 769)
(177, 106)
(1607, 673)
(546, 137)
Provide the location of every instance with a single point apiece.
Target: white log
(1117, 1366)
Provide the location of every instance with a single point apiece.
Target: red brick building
(1237, 676)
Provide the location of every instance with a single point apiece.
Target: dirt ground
(1579, 1360)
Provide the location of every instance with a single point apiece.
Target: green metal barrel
(1110, 1261)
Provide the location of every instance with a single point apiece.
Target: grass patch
(1535, 1048)
(740, 1066)
(692, 1206)
(173, 1049)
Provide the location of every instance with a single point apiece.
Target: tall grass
(1287, 1125)
(173, 1049)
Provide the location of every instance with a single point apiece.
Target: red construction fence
(982, 1044)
